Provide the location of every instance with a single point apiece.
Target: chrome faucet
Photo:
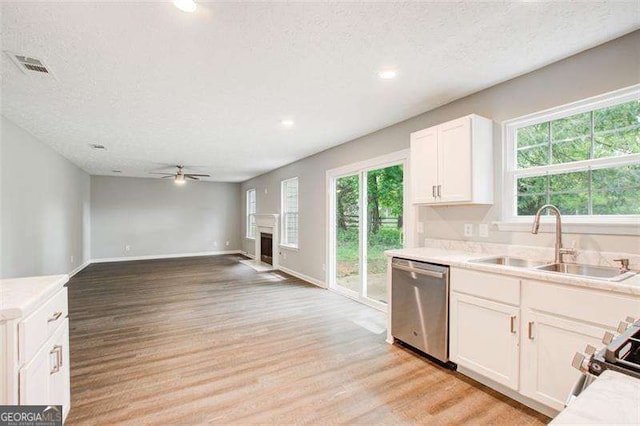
(560, 251)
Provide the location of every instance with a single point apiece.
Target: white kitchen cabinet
(484, 338)
(34, 342)
(548, 346)
(557, 322)
(44, 380)
(522, 334)
(424, 178)
(452, 163)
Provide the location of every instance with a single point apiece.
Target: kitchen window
(289, 208)
(583, 158)
(251, 213)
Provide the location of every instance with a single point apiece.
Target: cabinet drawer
(591, 306)
(38, 327)
(496, 287)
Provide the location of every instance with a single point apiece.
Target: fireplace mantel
(267, 220)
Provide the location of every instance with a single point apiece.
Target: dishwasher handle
(418, 271)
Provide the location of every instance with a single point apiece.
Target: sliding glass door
(367, 217)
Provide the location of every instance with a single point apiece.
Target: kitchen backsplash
(588, 257)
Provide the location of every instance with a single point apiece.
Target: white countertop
(613, 398)
(462, 259)
(18, 296)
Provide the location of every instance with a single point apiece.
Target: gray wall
(608, 67)
(44, 207)
(157, 217)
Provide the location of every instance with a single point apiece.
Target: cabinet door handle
(513, 324)
(433, 191)
(55, 317)
(57, 350)
(530, 334)
(440, 191)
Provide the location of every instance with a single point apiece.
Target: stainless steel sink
(509, 261)
(587, 271)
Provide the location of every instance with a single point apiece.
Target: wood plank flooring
(209, 340)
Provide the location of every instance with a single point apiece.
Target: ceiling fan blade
(197, 175)
(168, 176)
(191, 177)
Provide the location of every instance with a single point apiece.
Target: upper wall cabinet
(452, 163)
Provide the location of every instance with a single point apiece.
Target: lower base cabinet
(523, 334)
(34, 343)
(547, 350)
(484, 338)
(44, 380)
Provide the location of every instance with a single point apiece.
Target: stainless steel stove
(621, 354)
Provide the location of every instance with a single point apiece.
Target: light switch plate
(468, 229)
(483, 230)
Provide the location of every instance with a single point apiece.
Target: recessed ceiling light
(287, 123)
(185, 5)
(387, 74)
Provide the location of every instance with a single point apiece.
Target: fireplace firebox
(266, 248)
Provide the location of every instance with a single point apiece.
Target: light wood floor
(209, 340)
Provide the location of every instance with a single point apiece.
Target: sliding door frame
(360, 169)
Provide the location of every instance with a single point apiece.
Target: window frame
(283, 221)
(248, 214)
(603, 224)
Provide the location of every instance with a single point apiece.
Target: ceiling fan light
(180, 180)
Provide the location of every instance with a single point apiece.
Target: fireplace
(266, 244)
(266, 247)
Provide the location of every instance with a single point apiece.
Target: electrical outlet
(323, 267)
(420, 227)
(72, 259)
(284, 255)
(483, 230)
(127, 248)
(468, 229)
(227, 243)
(266, 191)
(215, 244)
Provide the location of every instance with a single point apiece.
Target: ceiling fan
(180, 177)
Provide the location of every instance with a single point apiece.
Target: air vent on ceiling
(97, 146)
(28, 64)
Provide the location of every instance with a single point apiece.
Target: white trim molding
(569, 226)
(164, 256)
(303, 277)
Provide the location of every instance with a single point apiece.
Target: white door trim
(358, 168)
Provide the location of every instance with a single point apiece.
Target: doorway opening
(367, 216)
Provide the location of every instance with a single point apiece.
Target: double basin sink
(587, 271)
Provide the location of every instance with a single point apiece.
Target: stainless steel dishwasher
(420, 306)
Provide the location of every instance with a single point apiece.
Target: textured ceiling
(157, 86)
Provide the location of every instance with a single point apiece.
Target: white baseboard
(303, 277)
(79, 268)
(163, 256)
(249, 255)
